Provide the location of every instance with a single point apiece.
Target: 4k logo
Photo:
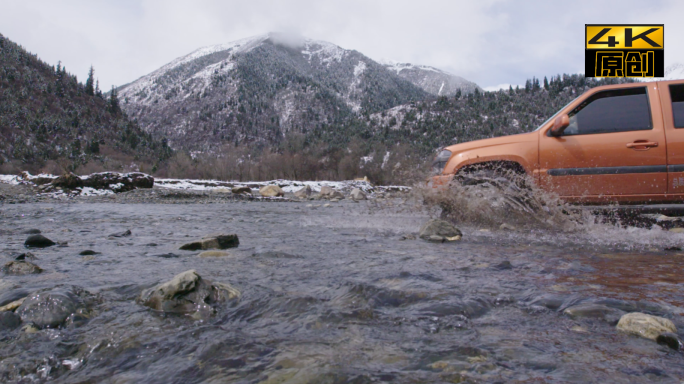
(624, 50)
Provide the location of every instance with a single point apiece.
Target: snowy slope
(430, 79)
(258, 89)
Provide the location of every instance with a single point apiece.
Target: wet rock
(644, 325)
(303, 193)
(10, 297)
(186, 293)
(88, 252)
(326, 191)
(357, 194)
(441, 228)
(52, 308)
(336, 195)
(38, 241)
(125, 233)
(670, 339)
(9, 321)
(507, 227)
(214, 254)
(25, 256)
(504, 265)
(408, 237)
(271, 191)
(594, 311)
(31, 232)
(21, 268)
(214, 242)
(241, 190)
(13, 305)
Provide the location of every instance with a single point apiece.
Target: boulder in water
(186, 293)
(213, 242)
(52, 308)
(595, 311)
(38, 241)
(303, 193)
(9, 320)
(18, 267)
(356, 194)
(271, 191)
(440, 228)
(644, 325)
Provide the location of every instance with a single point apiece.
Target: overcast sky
(490, 42)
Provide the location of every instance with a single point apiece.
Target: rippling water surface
(333, 295)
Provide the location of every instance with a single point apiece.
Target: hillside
(47, 116)
(256, 91)
(430, 125)
(432, 80)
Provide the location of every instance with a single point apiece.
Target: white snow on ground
(440, 89)
(288, 186)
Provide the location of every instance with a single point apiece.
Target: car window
(617, 110)
(677, 97)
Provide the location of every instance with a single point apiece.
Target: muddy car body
(618, 143)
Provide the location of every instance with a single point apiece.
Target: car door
(672, 100)
(612, 146)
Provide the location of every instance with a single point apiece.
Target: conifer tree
(98, 91)
(90, 82)
(546, 83)
(114, 101)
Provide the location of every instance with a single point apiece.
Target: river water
(334, 295)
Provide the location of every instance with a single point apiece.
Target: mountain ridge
(257, 89)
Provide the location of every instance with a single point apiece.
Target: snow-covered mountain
(432, 80)
(255, 90)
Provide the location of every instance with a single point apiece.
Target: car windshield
(554, 115)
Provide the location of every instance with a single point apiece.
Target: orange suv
(616, 143)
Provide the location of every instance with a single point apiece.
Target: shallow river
(333, 295)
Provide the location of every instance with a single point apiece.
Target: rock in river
(441, 228)
(303, 193)
(38, 241)
(186, 293)
(212, 242)
(52, 308)
(596, 311)
(9, 320)
(644, 325)
(271, 191)
(357, 194)
(21, 268)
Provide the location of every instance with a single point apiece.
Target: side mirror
(560, 124)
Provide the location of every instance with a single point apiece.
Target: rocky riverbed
(325, 292)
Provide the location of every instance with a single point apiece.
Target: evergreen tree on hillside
(114, 101)
(89, 85)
